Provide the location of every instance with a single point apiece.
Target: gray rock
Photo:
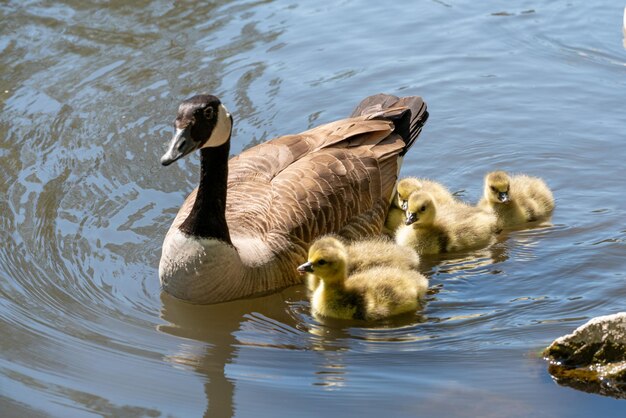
(593, 357)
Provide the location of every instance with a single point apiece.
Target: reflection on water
(587, 381)
(88, 93)
(215, 327)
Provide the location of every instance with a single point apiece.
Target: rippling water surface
(88, 92)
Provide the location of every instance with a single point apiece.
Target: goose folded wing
(333, 179)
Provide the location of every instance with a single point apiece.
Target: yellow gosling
(370, 294)
(404, 188)
(395, 218)
(516, 200)
(432, 228)
(370, 253)
(408, 185)
(366, 254)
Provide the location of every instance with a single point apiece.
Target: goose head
(202, 122)
(497, 185)
(327, 260)
(421, 209)
(404, 189)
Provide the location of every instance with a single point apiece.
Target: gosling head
(497, 185)
(327, 260)
(421, 209)
(202, 122)
(404, 189)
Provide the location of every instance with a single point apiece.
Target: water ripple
(88, 96)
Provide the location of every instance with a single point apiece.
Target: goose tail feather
(408, 114)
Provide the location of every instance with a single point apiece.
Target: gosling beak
(404, 205)
(411, 218)
(305, 268)
(503, 197)
(180, 145)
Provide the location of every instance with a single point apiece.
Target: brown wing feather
(334, 178)
(374, 103)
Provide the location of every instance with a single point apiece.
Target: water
(88, 93)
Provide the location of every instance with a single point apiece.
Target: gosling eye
(493, 189)
(321, 262)
(423, 208)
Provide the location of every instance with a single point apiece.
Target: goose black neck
(207, 218)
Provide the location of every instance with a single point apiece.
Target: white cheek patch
(221, 132)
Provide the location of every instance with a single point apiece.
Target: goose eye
(209, 112)
(423, 208)
(321, 262)
(493, 189)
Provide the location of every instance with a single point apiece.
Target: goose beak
(503, 197)
(305, 268)
(180, 145)
(411, 218)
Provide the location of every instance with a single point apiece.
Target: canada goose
(248, 225)
(370, 294)
(432, 228)
(404, 188)
(374, 252)
(516, 200)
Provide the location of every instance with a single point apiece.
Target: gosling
(516, 200)
(396, 215)
(433, 228)
(374, 252)
(369, 294)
